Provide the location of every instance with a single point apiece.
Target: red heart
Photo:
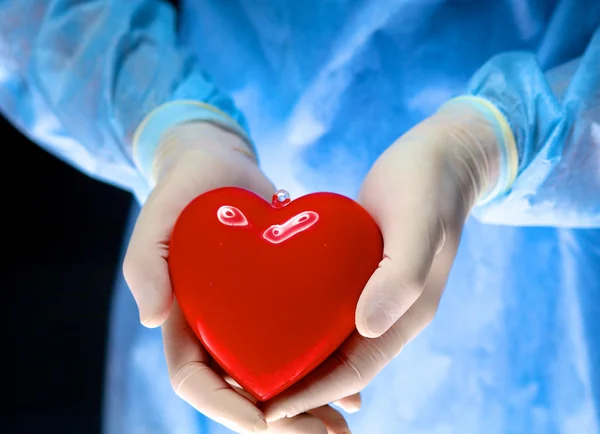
(271, 289)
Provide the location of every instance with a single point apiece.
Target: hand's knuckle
(430, 312)
(128, 268)
(399, 342)
(216, 393)
(415, 289)
(354, 378)
(377, 355)
(391, 343)
(430, 308)
(179, 375)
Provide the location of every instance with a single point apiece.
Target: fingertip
(259, 424)
(371, 319)
(366, 333)
(149, 282)
(351, 404)
(363, 330)
(153, 304)
(373, 324)
(387, 296)
(360, 319)
(351, 410)
(155, 319)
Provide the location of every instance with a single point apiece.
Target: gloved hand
(193, 158)
(420, 192)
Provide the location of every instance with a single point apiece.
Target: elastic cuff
(150, 131)
(509, 157)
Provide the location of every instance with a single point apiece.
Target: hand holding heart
(419, 193)
(193, 159)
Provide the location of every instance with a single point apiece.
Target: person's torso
(326, 86)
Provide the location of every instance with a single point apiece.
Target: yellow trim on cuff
(154, 126)
(144, 121)
(510, 145)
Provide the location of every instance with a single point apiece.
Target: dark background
(62, 238)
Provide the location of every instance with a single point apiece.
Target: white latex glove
(420, 192)
(191, 159)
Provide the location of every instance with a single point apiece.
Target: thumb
(401, 276)
(145, 267)
(420, 192)
(404, 203)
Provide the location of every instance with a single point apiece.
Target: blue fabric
(77, 77)
(325, 87)
(558, 130)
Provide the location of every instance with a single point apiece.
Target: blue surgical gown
(323, 87)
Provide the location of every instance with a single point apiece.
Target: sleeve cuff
(509, 158)
(150, 131)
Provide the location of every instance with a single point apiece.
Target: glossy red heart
(271, 288)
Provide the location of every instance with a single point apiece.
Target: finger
(404, 202)
(423, 311)
(345, 373)
(359, 359)
(350, 369)
(145, 266)
(239, 389)
(194, 381)
(332, 419)
(302, 424)
(350, 404)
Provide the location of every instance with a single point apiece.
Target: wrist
(183, 141)
(181, 116)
